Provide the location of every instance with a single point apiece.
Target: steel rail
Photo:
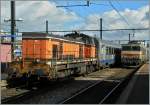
(127, 78)
(110, 92)
(13, 98)
(107, 95)
(85, 89)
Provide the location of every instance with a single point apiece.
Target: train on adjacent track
(134, 53)
(52, 57)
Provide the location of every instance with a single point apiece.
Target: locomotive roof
(134, 44)
(81, 37)
(37, 35)
(110, 43)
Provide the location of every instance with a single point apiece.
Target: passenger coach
(109, 53)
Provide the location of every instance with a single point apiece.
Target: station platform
(137, 91)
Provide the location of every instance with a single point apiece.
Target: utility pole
(100, 42)
(101, 28)
(119, 42)
(129, 37)
(13, 25)
(47, 26)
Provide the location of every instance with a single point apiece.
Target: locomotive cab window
(110, 49)
(126, 48)
(107, 50)
(131, 48)
(136, 48)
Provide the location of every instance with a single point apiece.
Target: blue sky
(35, 13)
(96, 8)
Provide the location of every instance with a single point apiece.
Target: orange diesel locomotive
(52, 57)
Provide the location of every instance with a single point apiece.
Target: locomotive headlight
(37, 60)
(137, 57)
(122, 57)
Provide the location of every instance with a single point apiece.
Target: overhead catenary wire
(120, 7)
(99, 4)
(119, 13)
(87, 4)
(125, 20)
(127, 29)
(118, 3)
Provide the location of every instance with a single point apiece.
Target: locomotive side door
(80, 51)
(55, 51)
(61, 51)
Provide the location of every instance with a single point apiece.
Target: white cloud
(35, 13)
(111, 20)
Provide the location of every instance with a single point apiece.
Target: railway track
(102, 92)
(90, 96)
(18, 93)
(33, 91)
(16, 98)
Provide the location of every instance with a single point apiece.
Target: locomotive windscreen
(131, 48)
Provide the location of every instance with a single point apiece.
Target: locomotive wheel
(12, 82)
(88, 69)
(31, 80)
